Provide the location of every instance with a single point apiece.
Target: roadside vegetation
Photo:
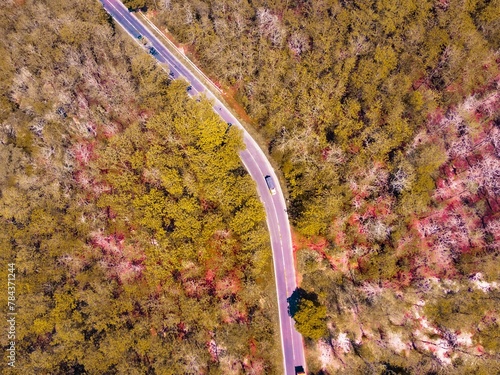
(139, 242)
(384, 117)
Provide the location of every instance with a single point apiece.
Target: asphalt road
(257, 166)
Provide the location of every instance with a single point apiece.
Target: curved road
(257, 166)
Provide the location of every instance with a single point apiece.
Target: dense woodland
(384, 119)
(139, 242)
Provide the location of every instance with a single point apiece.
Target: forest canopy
(139, 242)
